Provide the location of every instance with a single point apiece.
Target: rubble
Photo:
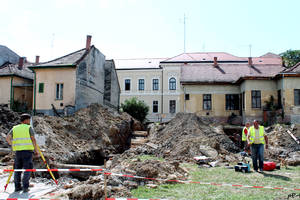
(282, 145)
(97, 133)
(189, 135)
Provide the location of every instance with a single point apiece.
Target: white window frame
(60, 90)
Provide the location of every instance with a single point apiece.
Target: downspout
(11, 92)
(34, 93)
(283, 98)
(162, 92)
(184, 100)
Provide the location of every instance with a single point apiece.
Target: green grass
(149, 157)
(289, 178)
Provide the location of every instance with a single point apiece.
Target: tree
(290, 57)
(136, 108)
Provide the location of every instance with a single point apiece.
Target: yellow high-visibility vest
(21, 138)
(244, 136)
(261, 134)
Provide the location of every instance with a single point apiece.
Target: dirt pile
(8, 119)
(87, 137)
(189, 135)
(282, 145)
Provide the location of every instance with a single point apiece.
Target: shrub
(136, 108)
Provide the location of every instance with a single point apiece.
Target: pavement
(37, 191)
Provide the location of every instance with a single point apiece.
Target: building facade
(16, 85)
(214, 84)
(74, 81)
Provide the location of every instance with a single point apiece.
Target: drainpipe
(283, 98)
(34, 93)
(184, 100)
(162, 92)
(11, 92)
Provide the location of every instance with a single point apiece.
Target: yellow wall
(218, 92)
(50, 77)
(5, 83)
(267, 88)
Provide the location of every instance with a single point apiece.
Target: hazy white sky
(148, 28)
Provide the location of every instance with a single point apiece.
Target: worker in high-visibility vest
(21, 138)
(257, 140)
(244, 136)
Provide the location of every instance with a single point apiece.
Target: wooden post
(105, 181)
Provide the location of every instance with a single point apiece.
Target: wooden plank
(291, 134)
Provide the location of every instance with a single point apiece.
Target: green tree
(290, 57)
(136, 108)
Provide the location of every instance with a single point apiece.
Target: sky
(149, 28)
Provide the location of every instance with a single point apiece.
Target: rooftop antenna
(52, 44)
(250, 48)
(184, 30)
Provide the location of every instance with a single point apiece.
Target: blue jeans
(257, 151)
(23, 160)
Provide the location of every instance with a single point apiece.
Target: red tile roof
(204, 57)
(226, 72)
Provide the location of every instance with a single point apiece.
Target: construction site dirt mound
(8, 119)
(189, 135)
(87, 137)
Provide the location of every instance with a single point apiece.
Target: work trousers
(257, 151)
(23, 160)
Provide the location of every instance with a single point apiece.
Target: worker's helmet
(25, 116)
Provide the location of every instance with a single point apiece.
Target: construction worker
(244, 136)
(256, 140)
(21, 138)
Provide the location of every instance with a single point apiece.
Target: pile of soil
(8, 119)
(189, 135)
(87, 137)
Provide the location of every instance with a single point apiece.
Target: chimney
(37, 60)
(88, 42)
(215, 61)
(250, 61)
(21, 63)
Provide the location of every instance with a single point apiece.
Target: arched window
(172, 84)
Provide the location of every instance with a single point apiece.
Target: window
(232, 102)
(206, 101)
(297, 97)
(155, 84)
(256, 99)
(243, 100)
(172, 84)
(141, 84)
(59, 91)
(155, 106)
(172, 106)
(187, 96)
(41, 87)
(127, 84)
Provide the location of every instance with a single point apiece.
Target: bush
(136, 108)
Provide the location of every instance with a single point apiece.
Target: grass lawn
(289, 178)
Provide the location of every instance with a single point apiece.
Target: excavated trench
(234, 133)
(92, 157)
